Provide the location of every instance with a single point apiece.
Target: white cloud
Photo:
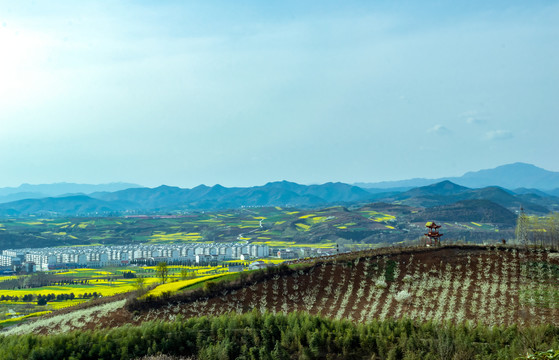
(476, 120)
(439, 129)
(475, 117)
(499, 135)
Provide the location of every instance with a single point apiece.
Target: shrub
(390, 270)
(209, 286)
(407, 279)
(542, 355)
(381, 283)
(402, 296)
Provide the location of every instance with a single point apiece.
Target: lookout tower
(433, 237)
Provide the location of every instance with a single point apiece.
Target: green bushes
(542, 355)
(297, 335)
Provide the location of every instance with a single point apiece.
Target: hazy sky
(245, 92)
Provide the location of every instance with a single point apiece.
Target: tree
(521, 231)
(185, 274)
(140, 283)
(162, 271)
(553, 230)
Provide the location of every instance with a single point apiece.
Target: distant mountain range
(168, 198)
(443, 195)
(284, 193)
(511, 176)
(29, 191)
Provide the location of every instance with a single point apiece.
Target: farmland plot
(490, 286)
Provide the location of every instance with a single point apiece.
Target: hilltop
(447, 192)
(454, 283)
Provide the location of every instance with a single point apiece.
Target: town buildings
(100, 256)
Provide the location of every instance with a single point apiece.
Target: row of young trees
(39, 279)
(293, 336)
(49, 297)
(538, 231)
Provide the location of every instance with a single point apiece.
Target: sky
(240, 93)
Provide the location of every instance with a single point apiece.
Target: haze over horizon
(245, 93)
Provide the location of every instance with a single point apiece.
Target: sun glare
(21, 55)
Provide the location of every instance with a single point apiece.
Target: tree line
(542, 231)
(49, 297)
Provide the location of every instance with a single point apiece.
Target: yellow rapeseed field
(102, 286)
(280, 244)
(16, 319)
(303, 227)
(160, 236)
(318, 219)
(177, 285)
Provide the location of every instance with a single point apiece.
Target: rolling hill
(77, 205)
(451, 284)
(446, 193)
(480, 211)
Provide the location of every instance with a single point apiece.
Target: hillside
(376, 224)
(447, 192)
(454, 284)
(480, 211)
(77, 205)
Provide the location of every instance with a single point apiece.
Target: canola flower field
(178, 285)
(96, 282)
